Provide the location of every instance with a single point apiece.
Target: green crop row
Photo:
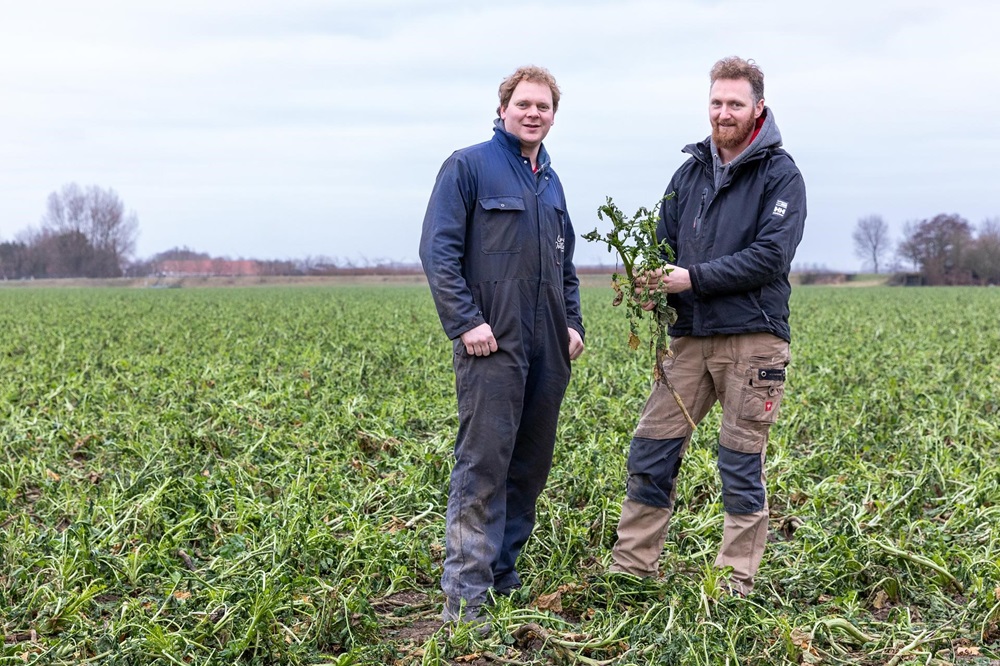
(259, 475)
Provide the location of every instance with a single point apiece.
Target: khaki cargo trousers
(745, 373)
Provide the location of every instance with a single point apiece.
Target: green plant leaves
(260, 475)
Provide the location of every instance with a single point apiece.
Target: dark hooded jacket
(497, 243)
(736, 239)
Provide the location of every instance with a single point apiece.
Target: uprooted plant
(641, 254)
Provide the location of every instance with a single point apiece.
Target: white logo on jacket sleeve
(780, 207)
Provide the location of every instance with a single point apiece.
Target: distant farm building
(208, 268)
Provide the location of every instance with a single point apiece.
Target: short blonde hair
(528, 73)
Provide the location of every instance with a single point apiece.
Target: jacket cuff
(468, 326)
(694, 272)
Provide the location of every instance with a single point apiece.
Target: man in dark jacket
(734, 223)
(497, 248)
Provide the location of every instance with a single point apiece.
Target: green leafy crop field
(259, 475)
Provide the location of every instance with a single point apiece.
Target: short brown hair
(528, 73)
(734, 67)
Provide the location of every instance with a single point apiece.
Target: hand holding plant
(642, 257)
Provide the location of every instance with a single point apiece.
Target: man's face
(732, 112)
(529, 114)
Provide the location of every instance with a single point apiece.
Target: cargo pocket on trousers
(762, 394)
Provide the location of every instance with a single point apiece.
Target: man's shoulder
(779, 157)
(485, 153)
(474, 150)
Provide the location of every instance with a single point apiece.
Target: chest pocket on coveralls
(502, 220)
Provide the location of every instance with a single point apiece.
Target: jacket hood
(768, 138)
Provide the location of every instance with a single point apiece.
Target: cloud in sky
(309, 127)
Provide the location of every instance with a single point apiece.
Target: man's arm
(442, 247)
(571, 285)
(571, 291)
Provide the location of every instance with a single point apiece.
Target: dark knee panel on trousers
(653, 465)
(742, 485)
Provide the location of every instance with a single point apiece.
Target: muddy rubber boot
(743, 539)
(641, 533)
(457, 612)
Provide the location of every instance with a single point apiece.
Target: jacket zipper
(701, 210)
(756, 302)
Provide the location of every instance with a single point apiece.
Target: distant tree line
(944, 249)
(86, 232)
(185, 262)
(83, 233)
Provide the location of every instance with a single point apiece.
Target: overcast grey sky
(277, 130)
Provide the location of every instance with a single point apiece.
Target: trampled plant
(222, 476)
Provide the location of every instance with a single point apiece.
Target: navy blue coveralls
(497, 247)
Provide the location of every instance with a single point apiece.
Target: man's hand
(676, 281)
(673, 282)
(479, 341)
(575, 344)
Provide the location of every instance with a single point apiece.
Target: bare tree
(983, 258)
(98, 216)
(939, 246)
(179, 253)
(871, 240)
(64, 254)
(112, 230)
(907, 249)
(14, 259)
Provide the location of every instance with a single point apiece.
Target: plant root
(661, 377)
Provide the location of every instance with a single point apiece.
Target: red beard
(731, 136)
